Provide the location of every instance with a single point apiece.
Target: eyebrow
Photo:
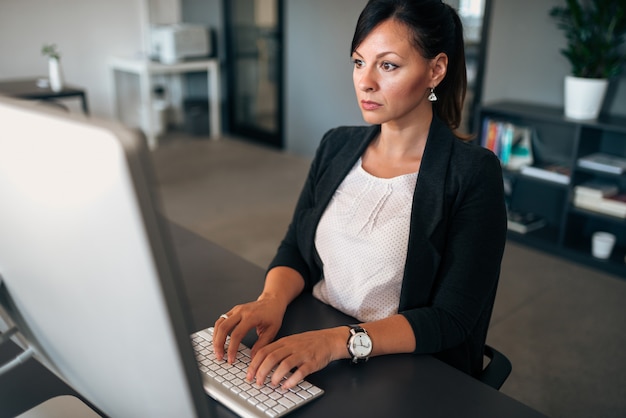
(380, 55)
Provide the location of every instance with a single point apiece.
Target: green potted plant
(54, 66)
(594, 30)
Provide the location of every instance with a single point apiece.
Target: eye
(388, 66)
(357, 62)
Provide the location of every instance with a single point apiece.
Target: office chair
(497, 370)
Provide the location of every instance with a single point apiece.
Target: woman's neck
(406, 136)
(405, 143)
(397, 150)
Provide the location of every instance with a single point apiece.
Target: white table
(146, 68)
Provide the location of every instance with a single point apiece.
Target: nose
(365, 79)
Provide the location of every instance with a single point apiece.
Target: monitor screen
(86, 267)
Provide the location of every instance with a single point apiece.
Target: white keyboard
(227, 384)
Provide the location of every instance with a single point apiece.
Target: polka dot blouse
(362, 240)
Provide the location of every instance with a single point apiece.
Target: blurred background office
(285, 79)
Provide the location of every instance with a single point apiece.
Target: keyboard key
(286, 403)
(294, 398)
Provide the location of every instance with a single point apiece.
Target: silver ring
(224, 316)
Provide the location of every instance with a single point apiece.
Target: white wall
(87, 33)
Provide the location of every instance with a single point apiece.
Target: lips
(367, 105)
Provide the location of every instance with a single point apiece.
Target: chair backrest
(497, 370)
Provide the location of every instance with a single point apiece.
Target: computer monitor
(89, 275)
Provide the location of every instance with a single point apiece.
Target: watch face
(361, 345)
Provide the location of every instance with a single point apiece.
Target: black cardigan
(456, 241)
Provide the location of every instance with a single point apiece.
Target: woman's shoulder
(346, 138)
(471, 162)
(443, 138)
(471, 147)
(349, 134)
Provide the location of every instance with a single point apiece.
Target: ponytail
(453, 88)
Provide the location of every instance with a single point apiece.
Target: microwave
(173, 43)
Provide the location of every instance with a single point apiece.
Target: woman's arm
(286, 278)
(282, 285)
(311, 351)
(470, 262)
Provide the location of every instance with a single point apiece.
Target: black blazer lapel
(423, 255)
(353, 144)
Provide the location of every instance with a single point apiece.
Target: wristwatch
(359, 344)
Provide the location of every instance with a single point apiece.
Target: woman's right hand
(265, 314)
(282, 285)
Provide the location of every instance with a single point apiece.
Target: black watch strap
(356, 328)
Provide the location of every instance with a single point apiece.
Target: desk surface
(386, 386)
(27, 88)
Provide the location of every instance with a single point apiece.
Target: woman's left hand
(307, 353)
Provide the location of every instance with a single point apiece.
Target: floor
(562, 325)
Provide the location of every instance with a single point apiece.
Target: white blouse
(362, 240)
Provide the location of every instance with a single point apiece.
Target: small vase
(55, 74)
(584, 97)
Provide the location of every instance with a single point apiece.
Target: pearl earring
(432, 96)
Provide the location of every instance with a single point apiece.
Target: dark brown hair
(436, 28)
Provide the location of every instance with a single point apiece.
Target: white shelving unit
(146, 69)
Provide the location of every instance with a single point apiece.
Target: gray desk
(387, 386)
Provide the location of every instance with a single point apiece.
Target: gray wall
(318, 74)
(523, 61)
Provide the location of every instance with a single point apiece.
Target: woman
(416, 261)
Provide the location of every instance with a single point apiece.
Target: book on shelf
(613, 205)
(603, 162)
(596, 188)
(523, 222)
(557, 173)
(511, 143)
(616, 201)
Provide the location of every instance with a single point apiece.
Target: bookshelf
(559, 141)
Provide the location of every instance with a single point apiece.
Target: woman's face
(391, 79)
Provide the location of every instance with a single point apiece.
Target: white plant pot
(55, 75)
(584, 97)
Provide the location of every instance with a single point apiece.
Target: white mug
(602, 244)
